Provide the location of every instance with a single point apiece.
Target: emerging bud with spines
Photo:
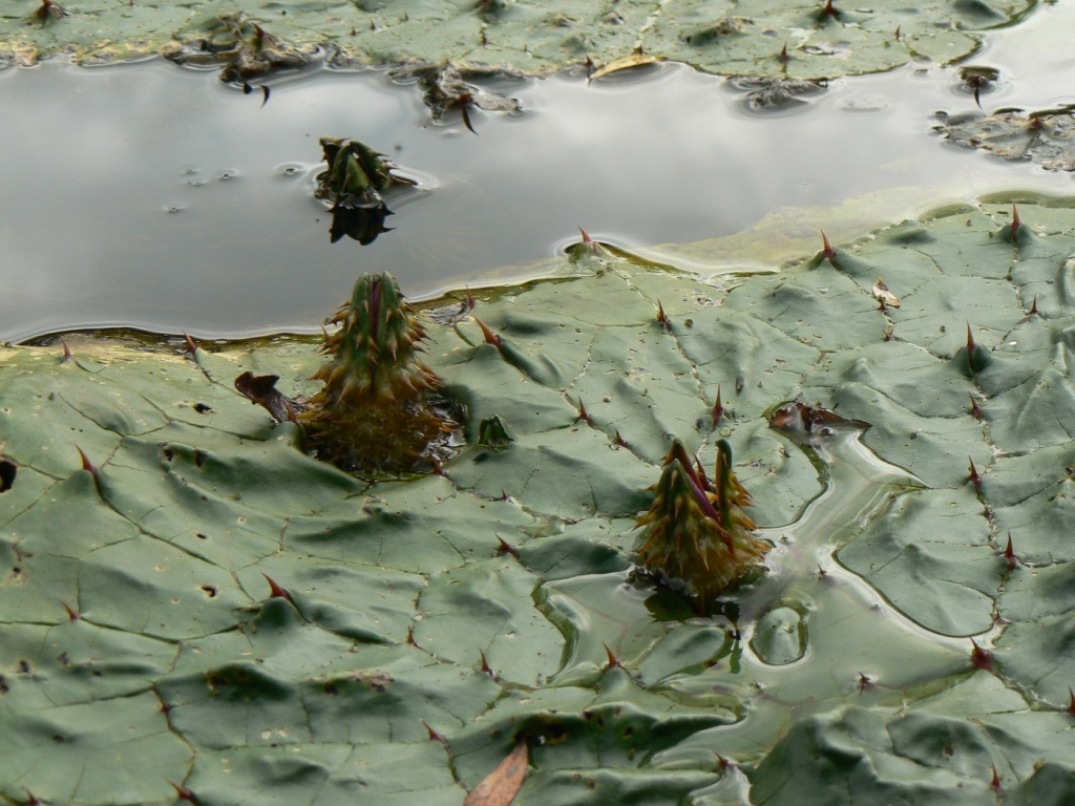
(372, 412)
(698, 533)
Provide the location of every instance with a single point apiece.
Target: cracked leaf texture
(433, 623)
(744, 38)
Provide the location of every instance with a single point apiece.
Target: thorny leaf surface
(203, 604)
(797, 40)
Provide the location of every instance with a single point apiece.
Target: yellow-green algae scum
(754, 37)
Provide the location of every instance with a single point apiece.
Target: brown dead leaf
(500, 787)
(261, 389)
(798, 417)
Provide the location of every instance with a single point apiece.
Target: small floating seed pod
(373, 412)
(698, 533)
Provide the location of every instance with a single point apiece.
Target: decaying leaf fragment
(698, 535)
(1045, 137)
(501, 786)
(886, 297)
(245, 49)
(976, 79)
(773, 93)
(353, 183)
(799, 417)
(261, 389)
(445, 89)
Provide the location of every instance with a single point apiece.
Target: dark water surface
(156, 197)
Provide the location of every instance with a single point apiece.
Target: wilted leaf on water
(1045, 137)
(770, 93)
(243, 49)
(798, 417)
(977, 79)
(503, 783)
(356, 175)
(445, 90)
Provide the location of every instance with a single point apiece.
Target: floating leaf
(815, 40)
(1045, 137)
(242, 48)
(445, 90)
(437, 621)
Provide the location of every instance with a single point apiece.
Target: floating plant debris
(1045, 137)
(882, 293)
(770, 94)
(799, 417)
(357, 175)
(243, 48)
(261, 389)
(445, 90)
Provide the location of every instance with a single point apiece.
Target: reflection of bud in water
(356, 174)
(363, 224)
(353, 182)
(698, 535)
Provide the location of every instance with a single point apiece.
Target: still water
(157, 197)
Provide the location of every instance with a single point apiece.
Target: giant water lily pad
(805, 39)
(191, 604)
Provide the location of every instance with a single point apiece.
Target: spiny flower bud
(698, 533)
(372, 412)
